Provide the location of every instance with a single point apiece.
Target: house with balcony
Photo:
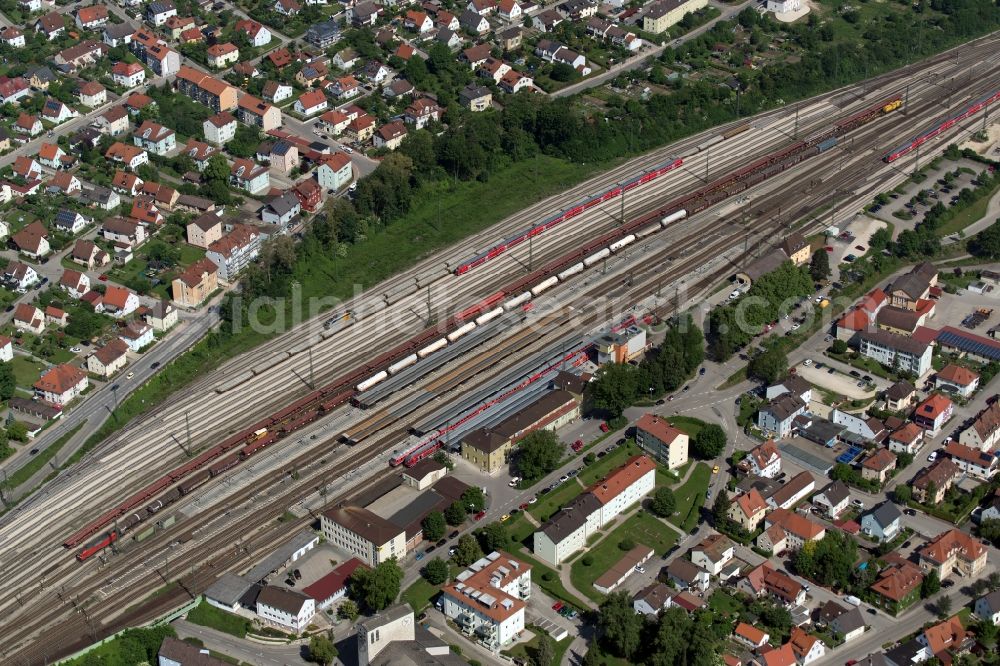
(204, 89)
(957, 379)
(334, 171)
(249, 176)
(747, 509)
(234, 251)
(487, 600)
(972, 461)
(254, 112)
(155, 138)
(896, 351)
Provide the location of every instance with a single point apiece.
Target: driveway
(258, 654)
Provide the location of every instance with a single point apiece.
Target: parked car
(605, 427)
(479, 516)
(577, 445)
(453, 534)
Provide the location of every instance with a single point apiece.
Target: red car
(524, 506)
(604, 427)
(557, 606)
(577, 445)
(851, 662)
(480, 515)
(103, 277)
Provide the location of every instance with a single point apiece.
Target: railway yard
(320, 411)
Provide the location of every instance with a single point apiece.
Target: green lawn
(526, 650)
(419, 594)
(690, 496)
(970, 214)
(549, 503)
(520, 530)
(548, 579)
(641, 528)
(215, 618)
(41, 460)
(604, 466)
(687, 424)
(26, 371)
(722, 602)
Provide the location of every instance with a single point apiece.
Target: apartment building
(363, 534)
(661, 440)
(487, 600)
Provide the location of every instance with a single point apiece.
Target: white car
(513, 482)
(641, 569)
(932, 457)
(796, 326)
(347, 149)
(130, 375)
(75, 350)
(807, 362)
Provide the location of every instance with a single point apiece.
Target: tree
(17, 431)
(436, 571)
(474, 499)
(930, 585)
(664, 503)
(986, 632)
(545, 651)
(770, 365)
(614, 389)
(720, 508)
(377, 588)
(943, 606)
(348, 610)
(538, 454)
(434, 526)
(839, 346)
(902, 493)
(819, 265)
(455, 513)
(620, 625)
(322, 650)
(989, 529)
(7, 381)
(709, 442)
(467, 550)
(216, 169)
(493, 537)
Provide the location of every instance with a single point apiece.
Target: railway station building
(489, 448)
(364, 534)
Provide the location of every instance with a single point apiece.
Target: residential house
(195, 284)
(75, 283)
(310, 103)
(473, 23)
(488, 599)
(309, 194)
(54, 157)
(52, 25)
(481, 7)
(81, 55)
(207, 90)
(128, 74)
(900, 396)
(123, 233)
(665, 443)
(220, 128)
(345, 59)
(32, 240)
(882, 523)
(102, 197)
(476, 98)
(897, 587)
(29, 318)
(784, 589)
(361, 128)
(686, 575)
(61, 385)
(276, 92)
(29, 125)
(878, 466)
(162, 316)
(777, 415)
(713, 553)
(510, 10)
(390, 135)
(547, 20)
(158, 11)
(284, 157)
(932, 482)
(12, 37)
(984, 433)
(763, 460)
(933, 413)
(806, 647)
(56, 112)
(127, 183)
(257, 34)
(792, 385)
(972, 461)
(155, 138)
(252, 111)
(652, 599)
(953, 551)
(246, 175)
(747, 510)
(64, 182)
(70, 221)
(834, 499)
(957, 379)
(752, 584)
(907, 439)
(120, 301)
(221, 56)
(286, 608)
(375, 72)
(281, 210)
(136, 334)
(661, 15)
(105, 361)
(86, 253)
(200, 152)
(92, 94)
(326, 33)
(334, 171)
(772, 540)
(795, 490)
(234, 251)
(13, 89)
(417, 21)
(846, 624)
(291, 7)
(117, 34)
(27, 168)
(130, 157)
(798, 529)
(907, 290)
(987, 607)
(750, 636)
(113, 122)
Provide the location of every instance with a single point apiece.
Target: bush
(587, 560)
(626, 544)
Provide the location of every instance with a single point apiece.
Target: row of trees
(733, 325)
(666, 368)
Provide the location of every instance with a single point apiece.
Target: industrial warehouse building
(488, 448)
(568, 530)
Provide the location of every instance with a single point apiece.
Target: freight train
(940, 127)
(555, 219)
(313, 406)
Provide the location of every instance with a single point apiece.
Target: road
(635, 62)
(258, 654)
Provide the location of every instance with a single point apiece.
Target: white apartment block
(487, 600)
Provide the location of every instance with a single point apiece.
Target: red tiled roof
(956, 374)
(333, 582)
(622, 478)
(60, 379)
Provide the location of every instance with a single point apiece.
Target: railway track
(650, 263)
